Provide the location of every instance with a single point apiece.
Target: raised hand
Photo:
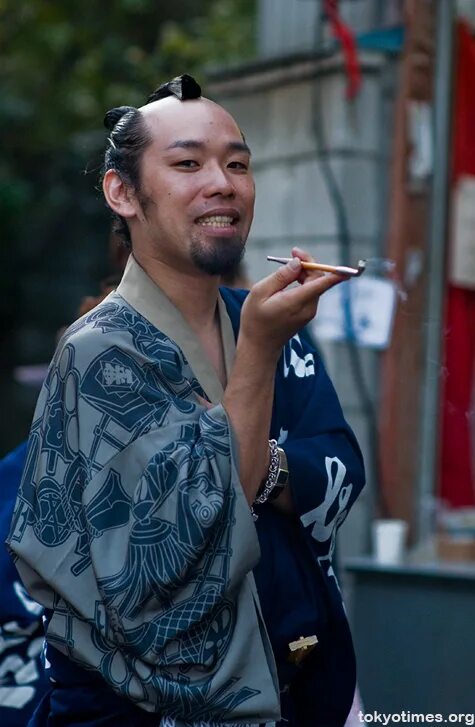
(275, 309)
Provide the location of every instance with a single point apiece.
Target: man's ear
(119, 196)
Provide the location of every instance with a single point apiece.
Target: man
(154, 442)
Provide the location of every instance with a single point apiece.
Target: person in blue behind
(189, 464)
(22, 678)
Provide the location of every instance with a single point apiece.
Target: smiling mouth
(216, 221)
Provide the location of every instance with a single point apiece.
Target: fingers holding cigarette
(280, 308)
(312, 271)
(306, 260)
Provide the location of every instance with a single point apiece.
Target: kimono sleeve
(325, 462)
(132, 528)
(130, 503)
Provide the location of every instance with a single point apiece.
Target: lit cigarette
(337, 269)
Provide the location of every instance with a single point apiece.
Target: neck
(194, 293)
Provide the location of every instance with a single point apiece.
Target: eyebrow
(195, 144)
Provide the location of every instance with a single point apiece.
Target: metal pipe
(436, 265)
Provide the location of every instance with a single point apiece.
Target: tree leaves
(62, 65)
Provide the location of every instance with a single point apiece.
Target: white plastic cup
(389, 541)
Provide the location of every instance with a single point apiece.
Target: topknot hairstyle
(114, 115)
(129, 137)
(183, 87)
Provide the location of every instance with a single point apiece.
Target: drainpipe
(428, 474)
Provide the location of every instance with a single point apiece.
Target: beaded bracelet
(271, 481)
(272, 476)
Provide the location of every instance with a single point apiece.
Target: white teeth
(216, 221)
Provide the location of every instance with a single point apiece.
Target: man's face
(197, 191)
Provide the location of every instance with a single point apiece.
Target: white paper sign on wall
(372, 302)
(462, 244)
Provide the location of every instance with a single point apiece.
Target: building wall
(278, 106)
(289, 26)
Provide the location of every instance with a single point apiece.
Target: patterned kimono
(132, 529)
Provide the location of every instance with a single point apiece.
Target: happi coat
(132, 529)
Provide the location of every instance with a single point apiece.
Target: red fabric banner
(457, 485)
(344, 34)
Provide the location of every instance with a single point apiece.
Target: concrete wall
(276, 105)
(289, 26)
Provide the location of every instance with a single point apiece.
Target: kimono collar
(140, 291)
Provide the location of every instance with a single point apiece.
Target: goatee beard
(219, 258)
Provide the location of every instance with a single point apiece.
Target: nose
(219, 182)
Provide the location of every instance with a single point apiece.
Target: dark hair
(129, 137)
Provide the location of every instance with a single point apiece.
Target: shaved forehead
(170, 113)
(162, 103)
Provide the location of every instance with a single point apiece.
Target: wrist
(260, 352)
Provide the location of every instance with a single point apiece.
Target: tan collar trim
(139, 290)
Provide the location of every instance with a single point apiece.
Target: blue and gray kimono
(132, 529)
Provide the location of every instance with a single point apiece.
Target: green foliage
(63, 63)
(225, 34)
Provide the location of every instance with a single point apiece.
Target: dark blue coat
(22, 679)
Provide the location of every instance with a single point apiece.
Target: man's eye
(238, 165)
(188, 163)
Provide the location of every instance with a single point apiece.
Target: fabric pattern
(147, 484)
(295, 577)
(128, 477)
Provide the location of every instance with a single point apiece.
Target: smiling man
(179, 177)
(182, 553)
